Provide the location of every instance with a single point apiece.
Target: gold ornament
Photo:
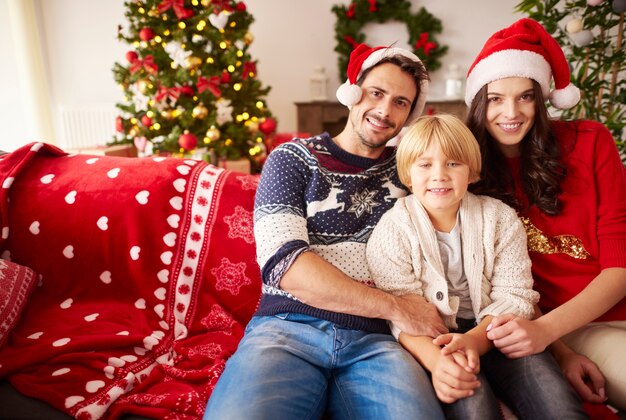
(192, 62)
(200, 111)
(142, 85)
(248, 38)
(253, 126)
(574, 26)
(213, 133)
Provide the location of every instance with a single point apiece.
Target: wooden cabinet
(331, 116)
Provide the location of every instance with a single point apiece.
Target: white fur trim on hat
(508, 63)
(565, 98)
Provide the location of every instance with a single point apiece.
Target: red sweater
(569, 250)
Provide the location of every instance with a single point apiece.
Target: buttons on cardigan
(439, 295)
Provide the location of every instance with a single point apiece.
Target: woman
(568, 185)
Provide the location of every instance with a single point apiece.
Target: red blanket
(147, 277)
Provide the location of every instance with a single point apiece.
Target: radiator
(84, 126)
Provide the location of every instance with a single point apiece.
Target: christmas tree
(591, 33)
(190, 85)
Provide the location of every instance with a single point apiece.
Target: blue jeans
(294, 366)
(532, 387)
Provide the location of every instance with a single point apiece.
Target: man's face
(388, 93)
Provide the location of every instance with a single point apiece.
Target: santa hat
(524, 49)
(364, 57)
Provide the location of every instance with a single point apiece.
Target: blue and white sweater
(314, 196)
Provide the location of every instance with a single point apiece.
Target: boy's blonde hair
(456, 141)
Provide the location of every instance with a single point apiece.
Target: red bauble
(225, 77)
(131, 56)
(268, 126)
(241, 7)
(186, 90)
(188, 141)
(146, 121)
(146, 34)
(119, 124)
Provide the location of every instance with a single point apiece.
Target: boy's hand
(450, 380)
(464, 344)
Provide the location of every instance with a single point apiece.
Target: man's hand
(417, 317)
(584, 376)
(517, 337)
(450, 380)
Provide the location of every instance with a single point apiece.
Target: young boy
(466, 255)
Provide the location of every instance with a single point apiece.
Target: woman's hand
(584, 376)
(517, 337)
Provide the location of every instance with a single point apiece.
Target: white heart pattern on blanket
(8, 182)
(159, 309)
(179, 185)
(160, 293)
(176, 203)
(34, 228)
(134, 252)
(36, 335)
(103, 223)
(140, 303)
(163, 275)
(68, 252)
(67, 303)
(61, 371)
(158, 159)
(183, 169)
(166, 258)
(61, 342)
(91, 161)
(170, 239)
(93, 386)
(113, 173)
(116, 361)
(46, 179)
(105, 277)
(92, 317)
(72, 401)
(173, 220)
(5, 232)
(70, 198)
(142, 197)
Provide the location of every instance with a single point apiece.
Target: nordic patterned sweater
(314, 196)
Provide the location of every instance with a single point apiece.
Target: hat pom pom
(565, 98)
(349, 94)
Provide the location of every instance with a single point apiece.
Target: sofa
(125, 283)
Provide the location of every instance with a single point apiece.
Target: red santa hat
(364, 57)
(524, 49)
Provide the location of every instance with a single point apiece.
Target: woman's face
(510, 112)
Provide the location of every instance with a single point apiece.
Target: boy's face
(439, 183)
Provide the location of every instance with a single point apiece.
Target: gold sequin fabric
(564, 244)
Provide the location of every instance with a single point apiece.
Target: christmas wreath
(422, 28)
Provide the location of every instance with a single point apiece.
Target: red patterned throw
(16, 283)
(148, 278)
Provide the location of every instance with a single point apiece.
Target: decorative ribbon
(424, 44)
(211, 84)
(147, 64)
(248, 67)
(350, 41)
(164, 93)
(177, 5)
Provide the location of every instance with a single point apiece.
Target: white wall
(291, 38)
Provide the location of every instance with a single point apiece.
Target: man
(319, 341)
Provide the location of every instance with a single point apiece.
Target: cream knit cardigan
(403, 257)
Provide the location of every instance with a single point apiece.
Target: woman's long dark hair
(540, 159)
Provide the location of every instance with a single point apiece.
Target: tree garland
(421, 26)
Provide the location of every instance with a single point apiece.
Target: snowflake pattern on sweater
(314, 196)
